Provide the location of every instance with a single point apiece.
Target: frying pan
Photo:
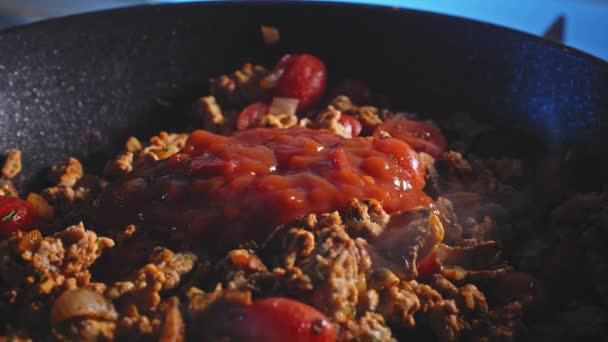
(80, 85)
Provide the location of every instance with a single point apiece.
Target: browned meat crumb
(12, 164)
(72, 204)
(240, 88)
(368, 116)
(439, 314)
(270, 34)
(138, 327)
(120, 166)
(163, 273)
(7, 188)
(335, 266)
(370, 327)
(133, 145)
(173, 328)
(209, 114)
(278, 120)
(66, 173)
(365, 218)
(329, 119)
(86, 329)
(162, 146)
(398, 304)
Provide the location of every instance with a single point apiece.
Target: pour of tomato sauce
(227, 190)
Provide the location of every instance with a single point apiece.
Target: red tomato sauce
(231, 189)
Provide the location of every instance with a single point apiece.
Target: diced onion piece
(270, 34)
(283, 105)
(41, 206)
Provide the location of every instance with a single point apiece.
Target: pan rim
(565, 49)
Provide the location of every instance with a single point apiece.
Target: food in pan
(293, 213)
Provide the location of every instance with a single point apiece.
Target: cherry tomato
(250, 115)
(351, 124)
(15, 214)
(301, 77)
(357, 91)
(406, 157)
(428, 266)
(278, 319)
(422, 136)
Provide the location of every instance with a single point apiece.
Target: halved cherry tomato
(15, 214)
(422, 136)
(278, 319)
(250, 115)
(301, 77)
(357, 91)
(406, 157)
(350, 123)
(429, 266)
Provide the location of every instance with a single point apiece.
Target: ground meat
(329, 119)
(133, 145)
(398, 304)
(368, 116)
(335, 267)
(162, 146)
(209, 114)
(7, 188)
(87, 329)
(242, 87)
(370, 327)
(47, 263)
(365, 218)
(163, 273)
(119, 166)
(34, 269)
(278, 120)
(439, 314)
(138, 328)
(12, 164)
(173, 328)
(66, 173)
(72, 204)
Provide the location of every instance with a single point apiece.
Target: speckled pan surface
(80, 85)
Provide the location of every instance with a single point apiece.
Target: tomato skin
(428, 266)
(277, 319)
(15, 214)
(357, 91)
(422, 136)
(351, 124)
(406, 157)
(302, 77)
(250, 115)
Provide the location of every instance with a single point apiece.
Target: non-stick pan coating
(79, 85)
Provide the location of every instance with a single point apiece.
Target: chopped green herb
(9, 216)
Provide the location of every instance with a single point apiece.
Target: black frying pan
(79, 85)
